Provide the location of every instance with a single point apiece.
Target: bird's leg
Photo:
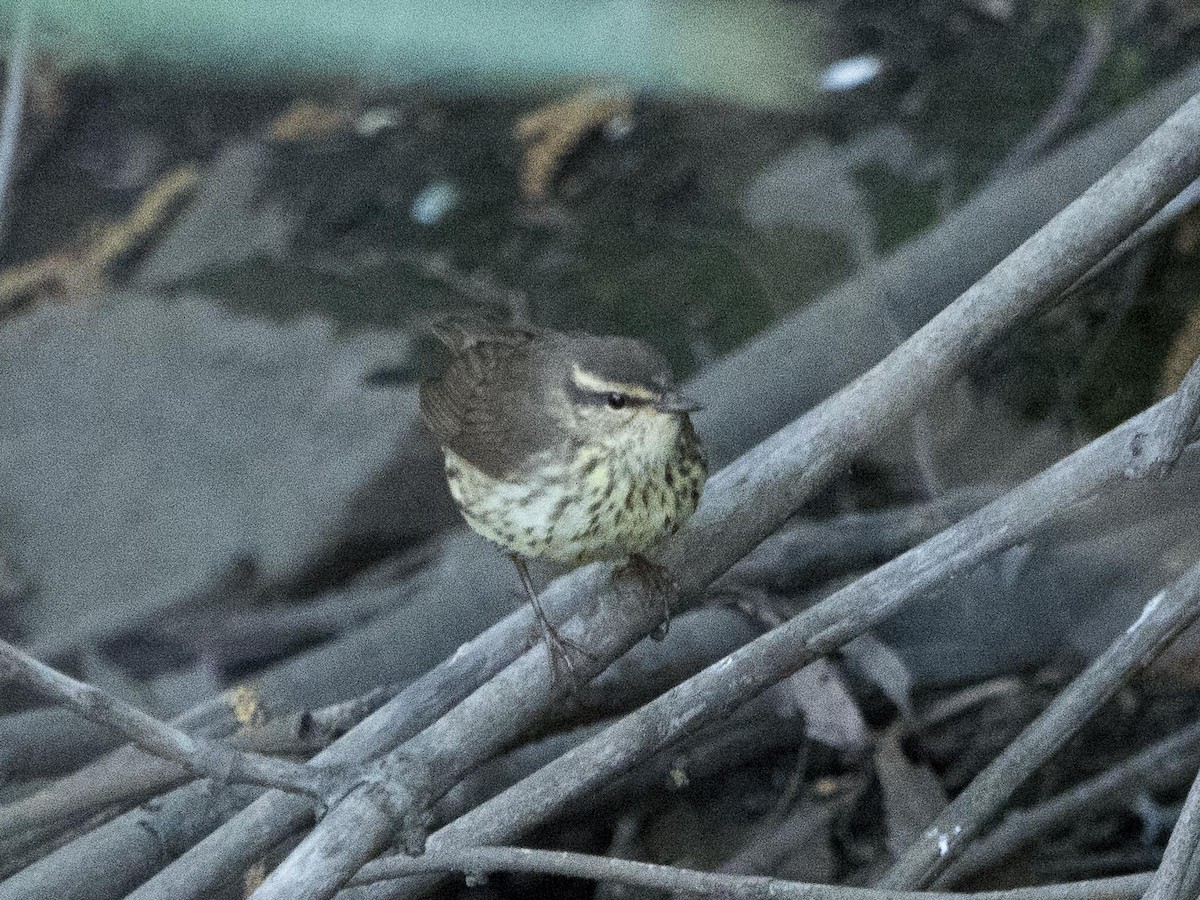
(557, 647)
(658, 580)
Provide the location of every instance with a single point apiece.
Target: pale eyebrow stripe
(586, 381)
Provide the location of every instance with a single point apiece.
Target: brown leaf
(553, 132)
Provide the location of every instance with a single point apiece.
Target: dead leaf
(882, 666)
(912, 795)
(81, 271)
(254, 877)
(553, 132)
(305, 121)
(830, 714)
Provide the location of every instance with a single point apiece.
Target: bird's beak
(672, 402)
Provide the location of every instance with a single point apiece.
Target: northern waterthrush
(566, 447)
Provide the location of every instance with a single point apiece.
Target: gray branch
(14, 102)
(1167, 439)
(481, 860)
(127, 776)
(721, 688)
(1164, 617)
(1169, 761)
(202, 757)
(1176, 878)
(1096, 47)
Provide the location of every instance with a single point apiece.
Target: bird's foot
(658, 580)
(559, 650)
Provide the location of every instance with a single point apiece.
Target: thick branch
(127, 775)
(112, 860)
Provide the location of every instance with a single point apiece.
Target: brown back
(489, 406)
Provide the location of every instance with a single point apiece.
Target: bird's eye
(616, 401)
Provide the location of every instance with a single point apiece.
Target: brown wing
(488, 406)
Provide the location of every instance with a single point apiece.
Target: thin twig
(1171, 759)
(968, 698)
(128, 776)
(1164, 617)
(1174, 879)
(811, 551)
(1078, 82)
(480, 860)
(108, 862)
(205, 758)
(768, 844)
(1183, 203)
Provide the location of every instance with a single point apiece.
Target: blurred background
(597, 164)
(226, 225)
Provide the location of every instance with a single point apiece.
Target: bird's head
(619, 393)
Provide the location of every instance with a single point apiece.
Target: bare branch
(1183, 203)
(1170, 760)
(127, 775)
(205, 758)
(395, 646)
(770, 843)
(1077, 83)
(1165, 616)
(808, 551)
(480, 860)
(112, 860)
(14, 102)
(1176, 876)
(273, 817)
(1166, 440)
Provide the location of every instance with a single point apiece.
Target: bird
(564, 446)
